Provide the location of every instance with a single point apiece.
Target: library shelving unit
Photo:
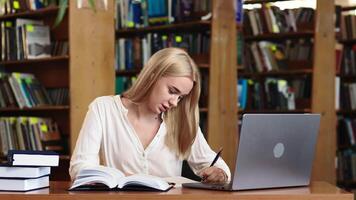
(321, 70)
(215, 65)
(178, 28)
(86, 71)
(346, 114)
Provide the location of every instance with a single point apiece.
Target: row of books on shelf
(18, 6)
(271, 19)
(133, 52)
(347, 96)
(346, 128)
(28, 39)
(27, 170)
(347, 26)
(265, 56)
(346, 166)
(272, 93)
(122, 83)
(24, 90)
(134, 14)
(29, 133)
(345, 59)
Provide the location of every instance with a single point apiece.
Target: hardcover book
(106, 178)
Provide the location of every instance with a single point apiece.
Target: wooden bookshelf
(87, 71)
(280, 36)
(43, 12)
(91, 71)
(348, 41)
(323, 100)
(347, 184)
(36, 61)
(281, 73)
(34, 109)
(222, 98)
(321, 69)
(241, 112)
(196, 25)
(345, 115)
(348, 8)
(262, 1)
(348, 77)
(346, 112)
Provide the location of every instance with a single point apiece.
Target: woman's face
(167, 92)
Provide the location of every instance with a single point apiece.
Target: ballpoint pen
(216, 157)
(214, 161)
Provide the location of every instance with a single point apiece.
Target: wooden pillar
(222, 113)
(92, 73)
(323, 91)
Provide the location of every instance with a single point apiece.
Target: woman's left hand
(213, 175)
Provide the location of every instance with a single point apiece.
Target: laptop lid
(275, 150)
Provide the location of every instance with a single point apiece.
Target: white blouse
(107, 138)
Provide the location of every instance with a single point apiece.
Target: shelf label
(23, 119)
(8, 24)
(44, 128)
(12, 119)
(16, 5)
(33, 120)
(28, 80)
(29, 28)
(130, 24)
(178, 38)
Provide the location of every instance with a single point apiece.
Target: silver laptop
(275, 150)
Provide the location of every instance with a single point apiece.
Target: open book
(105, 178)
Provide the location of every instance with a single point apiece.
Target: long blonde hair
(182, 122)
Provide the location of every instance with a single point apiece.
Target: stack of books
(27, 170)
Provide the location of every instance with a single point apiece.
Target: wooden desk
(58, 190)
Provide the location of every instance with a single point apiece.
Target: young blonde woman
(152, 127)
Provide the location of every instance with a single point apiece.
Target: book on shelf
(134, 14)
(263, 56)
(7, 171)
(133, 53)
(19, 6)
(273, 93)
(32, 158)
(24, 90)
(242, 85)
(24, 39)
(23, 185)
(29, 133)
(271, 19)
(38, 42)
(123, 83)
(106, 178)
(348, 96)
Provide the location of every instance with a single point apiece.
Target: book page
(98, 174)
(144, 180)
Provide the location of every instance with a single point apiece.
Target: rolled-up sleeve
(86, 152)
(202, 155)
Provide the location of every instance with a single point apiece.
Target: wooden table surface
(58, 190)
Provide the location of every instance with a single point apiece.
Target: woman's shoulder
(106, 101)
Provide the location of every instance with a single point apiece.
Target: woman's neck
(141, 111)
